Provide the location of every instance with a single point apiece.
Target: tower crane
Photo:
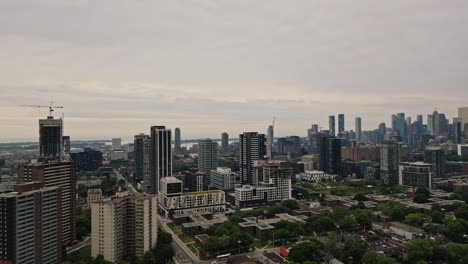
(51, 107)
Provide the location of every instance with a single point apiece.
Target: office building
(207, 155)
(50, 137)
(116, 143)
(400, 127)
(288, 145)
(463, 116)
(224, 179)
(177, 139)
(252, 148)
(436, 157)
(224, 141)
(457, 131)
(358, 130)
(331, 125)
(55, 173)
(173, 202)
(141, 153)
(30, 222)
(462, 150)
(160, 156)
(123, 226)
(270, 140)
(195, 182)
(87, 160)
(389, 163)
(415, 174)
(440, 124)
(341, 125)
(330, 154)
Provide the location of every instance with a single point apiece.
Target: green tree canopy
(374, 258)
(420, 250)
(415, 219)
(305, 251)
(355, 249)
(457, 253)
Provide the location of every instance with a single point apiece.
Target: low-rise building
(415, 174)
(173, 201)
(224, 179)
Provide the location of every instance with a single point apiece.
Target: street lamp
(239, 242)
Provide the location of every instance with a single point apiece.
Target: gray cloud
(220, 66)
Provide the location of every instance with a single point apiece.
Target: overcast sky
(119, 67)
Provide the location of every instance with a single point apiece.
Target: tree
(291, 204)
(416, 220)
(436, 207)
(322, 224)
(421, 198)
(348, 222)
(395, 210)
(354, 249)
(457, 228)
(360, 197)
(422, 190)
(462, 212)
(374, 258)
(419, 250)
(282, 234)
(457, 253)
(147, 258)
(437, 217)
(304, 251)
(100, 260)
(363, 217)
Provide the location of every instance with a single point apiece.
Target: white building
(172, 201)
(315, 177)
(224, 179)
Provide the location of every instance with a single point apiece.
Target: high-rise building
(288, 145)
(330, 155)
(116, 143)
(415, 174)
(30, 222)
(436, 157)
(270, 140)
(141, 153)
(66, 144)
(331, 125)
(457, 130)
(224, 141)
(358, 129)
(177, 138)
(389, 162)
(401, 127)
(123, 226)
(207, 155)
(341, 124)
(50, 137)
(419, 118)
(463, 115)
(439, 124)
(430, 124)
(87, 160)
(160, 156)
(56, 173)
(382, 132)
(252, 148)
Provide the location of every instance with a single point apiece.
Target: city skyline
(234, 64)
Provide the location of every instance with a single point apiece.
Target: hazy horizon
(208, 67)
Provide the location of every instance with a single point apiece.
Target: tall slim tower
(463, 115)
(331, 125)
(225, 141)
(50, 137)
(330, 154)
(270, 139)
(341, 124)
(177, 138)
(207, 155)
(160, 156)
(389, 163)
(358, 128)
(141, 151)
(252, 148)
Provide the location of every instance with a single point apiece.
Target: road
(79, 246)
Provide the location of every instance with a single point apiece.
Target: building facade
(389, 163)
(252, 148)
(123, 226)
(141, 154)
(30, 226)
(56, 173)
(330, 155)
(207, 155)
(50, 137)
(160, 156)
(415, 174)
(224, 179)
(87, 160)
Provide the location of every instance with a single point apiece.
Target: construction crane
(273, 123)
(51, 107)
